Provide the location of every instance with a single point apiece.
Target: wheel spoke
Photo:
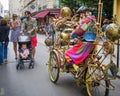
(95, 82)
(53, 67)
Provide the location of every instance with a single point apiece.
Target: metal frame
(118, 58)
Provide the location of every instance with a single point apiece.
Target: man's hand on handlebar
(29, 32)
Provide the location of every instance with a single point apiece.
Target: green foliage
(108, 7)
(69, 3)
(74, 4)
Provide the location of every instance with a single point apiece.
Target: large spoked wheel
(53, 66)
(95, 83)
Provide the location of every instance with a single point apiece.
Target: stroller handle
(24, 38)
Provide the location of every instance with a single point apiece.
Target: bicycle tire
(53, 66)
(100, 88)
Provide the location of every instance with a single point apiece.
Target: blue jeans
(3, 51)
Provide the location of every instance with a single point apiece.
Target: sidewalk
(41, 38)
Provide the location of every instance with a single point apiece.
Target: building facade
(14, 7)
(47, 4)
(30, 5)
(1, 10)
(37, 5)
(20, 6)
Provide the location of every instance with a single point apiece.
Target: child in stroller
(25, 52)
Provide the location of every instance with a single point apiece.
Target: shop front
(44, 16)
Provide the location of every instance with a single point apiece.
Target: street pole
(118, 57)
(100, 7)
(118, 54)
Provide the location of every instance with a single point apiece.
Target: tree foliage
(69, 3)
(74, 4)
(108, 7)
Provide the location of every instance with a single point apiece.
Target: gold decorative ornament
(48, 41)
(75, 18)
(60, 23)
(111, 70)
(112, 32)
(65, 35)
(66, 12)
(62, 42)
(108, 48)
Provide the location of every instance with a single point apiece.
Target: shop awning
(41, 14)
(55, 11)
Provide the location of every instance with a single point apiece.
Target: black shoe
(1, 63)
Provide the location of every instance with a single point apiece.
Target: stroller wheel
(20, 66)
(31, 65)
(17, 66)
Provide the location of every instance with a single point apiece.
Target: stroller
(24, 39)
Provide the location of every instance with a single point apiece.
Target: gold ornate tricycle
(95, 73)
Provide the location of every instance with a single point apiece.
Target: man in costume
(79, 52)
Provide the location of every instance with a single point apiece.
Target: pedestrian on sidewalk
(4, 40)
(16, 27)
(28, 27)
(46, 27)
(49, 29)
(105, 24)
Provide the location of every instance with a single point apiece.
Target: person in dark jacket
(4, 40)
